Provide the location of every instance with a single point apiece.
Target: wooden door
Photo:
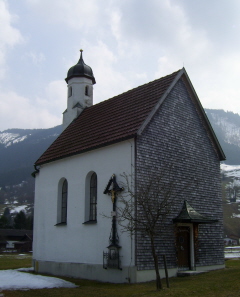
(183, 247)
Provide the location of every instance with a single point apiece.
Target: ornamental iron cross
(115, 188)
(112, 189)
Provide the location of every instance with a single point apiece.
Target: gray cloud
(127, 43)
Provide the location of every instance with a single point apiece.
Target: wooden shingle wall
(176, 138)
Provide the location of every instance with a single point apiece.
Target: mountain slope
(19, 149)
(227, 128)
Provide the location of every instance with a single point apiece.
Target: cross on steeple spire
(81, 58)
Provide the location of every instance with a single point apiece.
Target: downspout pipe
(35, 171)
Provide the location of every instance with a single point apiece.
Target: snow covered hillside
(231, 171)
(229, 126)
(19, 149)
(231, 183)
(14, 136)
(226, 126)
(8, 138)
(231, 199)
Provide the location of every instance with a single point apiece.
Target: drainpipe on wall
(36, 171)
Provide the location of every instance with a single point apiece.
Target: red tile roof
(109, 121)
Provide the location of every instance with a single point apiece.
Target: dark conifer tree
(20, 220)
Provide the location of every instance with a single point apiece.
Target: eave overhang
(117, 140)
(222, 156)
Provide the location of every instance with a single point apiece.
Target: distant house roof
(16, 233)
(119, 118)
(3, 240)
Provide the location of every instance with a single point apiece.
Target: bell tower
(80, 81)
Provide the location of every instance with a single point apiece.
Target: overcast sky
(126, 42)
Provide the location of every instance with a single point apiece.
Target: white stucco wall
(77, 242)
(78, 85)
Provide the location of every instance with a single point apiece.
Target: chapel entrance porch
(186, 236)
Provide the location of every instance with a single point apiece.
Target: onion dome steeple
(80, 81)
(80, 70)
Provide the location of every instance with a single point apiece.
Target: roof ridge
(144, 85)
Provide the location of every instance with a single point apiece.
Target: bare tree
(144, 209)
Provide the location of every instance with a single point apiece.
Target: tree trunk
(155, 257)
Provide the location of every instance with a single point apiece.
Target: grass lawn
(220, 283)
(14, 261)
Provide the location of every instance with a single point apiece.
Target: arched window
(93, 197)
(64, 202)
(86, 91)
(69, 91)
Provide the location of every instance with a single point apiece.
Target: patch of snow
(31, 269)
(19, 139)
(16, 280)
(231, 170)
(232, 252)
(8, 144)
(24, 256)
(226, 167)
(8, 139)
(231, 255)
(20, 185)
(18, 208)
